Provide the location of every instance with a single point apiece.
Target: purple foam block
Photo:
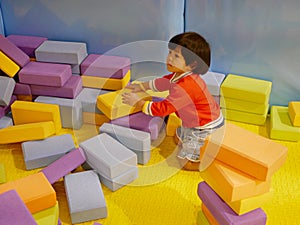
(105, 66)
(27, 44)
(13, 210)
(95, 223)
(70, 90)
(46, 74)
(6, 109)
(59, 222)
(22, 89)
(223, 213)
(143, 122)
(13, 52)
(64, 165)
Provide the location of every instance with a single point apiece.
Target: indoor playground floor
(164, 194)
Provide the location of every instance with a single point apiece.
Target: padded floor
(163, 193)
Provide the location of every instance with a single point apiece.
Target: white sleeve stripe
(149, 109)
(152, 85)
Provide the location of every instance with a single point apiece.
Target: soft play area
(72, 153)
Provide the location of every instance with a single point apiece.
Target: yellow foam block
(105, 83)
(26, 132)
(32, 112)
(231, 184)
(94, 118)
(111, 104)
(294, 113)
(172, 124)
(281, 127)
(201, 219)
(246, 151)
(35, 190)
(244, 106)
(211, 219)
(246, 88)
(47, 216)
(25, 98)
(245, 117)
(2, 174)
(8, 66)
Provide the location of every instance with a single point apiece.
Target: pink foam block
(64, 165)
(27, 44)
(223, 213)
(13, 210)
(46, 74)
(105, 66)
(13, 52)
(143, 122)
(70, 90)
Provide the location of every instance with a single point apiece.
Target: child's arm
(144, 86)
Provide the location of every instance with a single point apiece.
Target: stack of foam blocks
(237, 166)
(285, 122)
(245, 99)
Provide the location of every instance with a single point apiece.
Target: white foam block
(43, 152)
(7, 86)
(137, 141)
(6, 121)
(70, 110)
(85, 196)
(108, 156)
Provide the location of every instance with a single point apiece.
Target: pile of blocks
(237, 166)
(285, 122)
(245, 99)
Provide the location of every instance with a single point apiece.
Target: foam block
(223, 214)
(213, 81)
(281, 127)
(47, 216)
(111, 104)
(35, 191)
(13, 52)
(88, 99)
(64, 165)
(43, 152)
(4, 110)
(8, 66)
(142, 122)
(105, 66)
(246, 88)
(294, 113)
(137, 141)
(61, 52)
(46, 74)
(108, 156)
(6, 121)
(172, 124)
(28, 44)
(2, 173)
(22, 89)
(70, 90)
(95, 118)
(208, 215)
(13, 210)
(201, 219)
(105, 83)
(32, 112)
(26, 132)
(251, 153)
(7, 86)
(90, 204)
(231, 184)
(70, 110)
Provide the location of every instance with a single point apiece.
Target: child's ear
(193, 65)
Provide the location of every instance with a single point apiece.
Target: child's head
(195, 50)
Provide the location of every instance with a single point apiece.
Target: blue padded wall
(254, 38)
(1, 23)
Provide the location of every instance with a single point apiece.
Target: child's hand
(130, 98)
(135, 87)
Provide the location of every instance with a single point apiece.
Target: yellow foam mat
(165, 195)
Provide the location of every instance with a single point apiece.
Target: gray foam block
(70, 110)
(108, 156)
(43, 152)
(137, 141)
(7, 86)
(6, 121)
(85, 196)
(213, 81)
(61, 52)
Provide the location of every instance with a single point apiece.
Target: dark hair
(194, 49)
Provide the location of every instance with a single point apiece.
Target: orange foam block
(172, 124)
(111, 104)
(26, 132)
(294, 113)
(231, 184)
(32, 112)
(35, 191)
(246, 151)
(211, 219)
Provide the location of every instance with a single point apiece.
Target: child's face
(176, 62)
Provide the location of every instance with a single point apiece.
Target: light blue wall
(257, 38)
(1, 23)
